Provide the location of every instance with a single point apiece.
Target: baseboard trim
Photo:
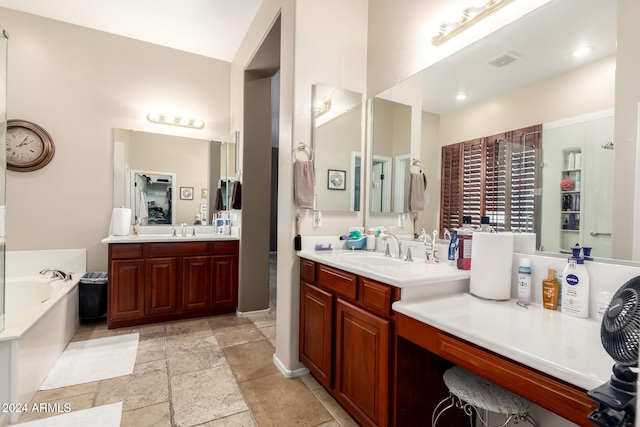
(288, 373)
(249, 313)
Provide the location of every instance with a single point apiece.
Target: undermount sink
(372, 259)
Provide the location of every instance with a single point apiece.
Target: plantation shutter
(497, 176)
(472, 179)
(451, 188)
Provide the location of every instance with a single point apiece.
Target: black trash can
(93, 295)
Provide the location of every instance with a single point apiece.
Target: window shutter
(450, 189)
(472, 179)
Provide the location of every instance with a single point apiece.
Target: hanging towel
(236, 196)
(142, 209)
(417, 187)
(218, 205)
(303, 183)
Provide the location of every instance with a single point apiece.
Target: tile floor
(216, 372)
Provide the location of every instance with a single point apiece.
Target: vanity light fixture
(170, 119)
(479, 10)
(582, 51)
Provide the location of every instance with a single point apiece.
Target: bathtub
(41, 317)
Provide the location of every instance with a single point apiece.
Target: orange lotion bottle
(550, 291)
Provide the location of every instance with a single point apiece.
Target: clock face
(23, 146)
(28, 146)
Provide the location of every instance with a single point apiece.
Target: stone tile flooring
(215, 371)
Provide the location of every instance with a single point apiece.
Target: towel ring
(416, 163)
(305, 149)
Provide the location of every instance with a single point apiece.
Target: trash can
(93, 295)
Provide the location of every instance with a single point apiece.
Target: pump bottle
(575, 286)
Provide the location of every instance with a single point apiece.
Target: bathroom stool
(471, 392)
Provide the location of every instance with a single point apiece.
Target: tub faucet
(56, 273)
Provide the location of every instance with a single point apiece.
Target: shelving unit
(570, 199)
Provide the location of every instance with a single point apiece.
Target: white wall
(79, 84)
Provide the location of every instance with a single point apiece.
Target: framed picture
(186, 193)
(336, 179)
(203, 209)
(204, 193)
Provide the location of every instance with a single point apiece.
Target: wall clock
(29, 147)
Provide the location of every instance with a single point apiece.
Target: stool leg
(434, 416)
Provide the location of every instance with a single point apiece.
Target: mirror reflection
(391, 155)
(166, 179)
(526, 75)
(337, 142)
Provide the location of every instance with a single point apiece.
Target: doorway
(257, 268)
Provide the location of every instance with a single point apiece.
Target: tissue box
(358, 243)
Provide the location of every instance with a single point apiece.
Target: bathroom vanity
(379, 334)
(160, 280)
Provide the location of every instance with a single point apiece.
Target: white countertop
(391, 271)
(565, 347)
(142, 238)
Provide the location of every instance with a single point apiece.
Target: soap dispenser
(575, 286)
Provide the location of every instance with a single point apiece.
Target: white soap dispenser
(575, 286)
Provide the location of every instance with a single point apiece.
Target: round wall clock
(29, 147)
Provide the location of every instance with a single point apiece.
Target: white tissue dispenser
(491, 263)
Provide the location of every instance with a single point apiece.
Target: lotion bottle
(550, 291)
(524, 282)
(575, 286)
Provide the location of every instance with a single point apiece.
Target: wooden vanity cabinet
(346, 327)
(155, 282)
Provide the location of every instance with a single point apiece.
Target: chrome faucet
(57, 273)
(398, 243)
(184, 229)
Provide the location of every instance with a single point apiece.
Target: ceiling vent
(504, 59)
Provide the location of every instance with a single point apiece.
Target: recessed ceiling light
(461, 96)
(582, 51)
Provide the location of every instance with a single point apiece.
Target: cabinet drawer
(337, 281)
(308, 270)
(375, 296)
(126, 250)
(225, 248)
(177, 249)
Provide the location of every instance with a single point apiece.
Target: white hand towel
(142, 211)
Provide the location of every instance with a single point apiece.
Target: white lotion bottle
(575, 287)
(524, 282)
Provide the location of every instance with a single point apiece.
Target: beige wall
(79, 84)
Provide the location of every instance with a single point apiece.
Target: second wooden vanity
(382, 357)
(160, 281)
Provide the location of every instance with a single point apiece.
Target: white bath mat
(100, 416)
(93, 360)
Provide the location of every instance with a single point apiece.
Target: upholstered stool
(471, 392)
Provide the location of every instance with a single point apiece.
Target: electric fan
(619, 334)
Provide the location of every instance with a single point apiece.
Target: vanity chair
(471, 392)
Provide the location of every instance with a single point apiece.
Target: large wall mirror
(168, 179)
(525, 74)
(337, 145)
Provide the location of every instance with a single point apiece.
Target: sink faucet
(57, 273)
(386, 252)
(184, 229)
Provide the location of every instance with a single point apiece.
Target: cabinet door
(160, 286)
(196, 282)
(224, 281)
(316, 310)
(362, 364)
(126, 290)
